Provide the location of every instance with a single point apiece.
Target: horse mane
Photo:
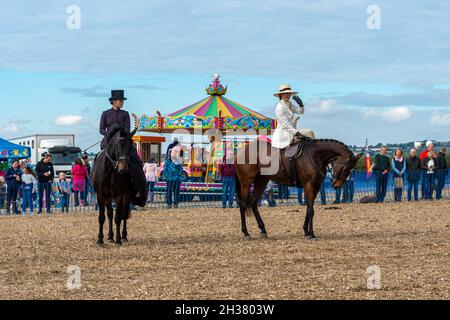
(332, 141)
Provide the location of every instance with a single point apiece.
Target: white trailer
(61, 146)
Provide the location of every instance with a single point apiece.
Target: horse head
(123, 144)
(342, 167)
(122, 150)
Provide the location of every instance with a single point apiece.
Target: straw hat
(284, 88)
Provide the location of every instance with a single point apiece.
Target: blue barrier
(201, 195)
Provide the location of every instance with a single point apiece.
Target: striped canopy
(213, 112)
(216, 106)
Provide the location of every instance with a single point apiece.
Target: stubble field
(200, 254)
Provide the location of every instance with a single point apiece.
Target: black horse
(310, 168)
(112, 182)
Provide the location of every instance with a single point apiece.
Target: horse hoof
(124, 240)
(118, 243)
(111, 240)
(312, 238)
(247, 238)
(100, 244)
(264, 235)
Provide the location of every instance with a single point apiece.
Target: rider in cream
(287, 115)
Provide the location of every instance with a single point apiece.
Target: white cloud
(68, 120)
(397, 114)
(322, 107)
(440, 119)
(392, 115)
(14, 125)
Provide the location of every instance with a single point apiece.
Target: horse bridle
(324, 175)
(115, 163)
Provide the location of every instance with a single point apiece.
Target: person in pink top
(79, 176)
(151, 175)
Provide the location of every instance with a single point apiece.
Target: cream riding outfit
(287, 115)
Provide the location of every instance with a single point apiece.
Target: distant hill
(404, 146)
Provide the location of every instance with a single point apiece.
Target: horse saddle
(292, 152)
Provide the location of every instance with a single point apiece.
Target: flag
(368, 165)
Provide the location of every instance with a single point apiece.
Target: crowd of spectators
(39, 186)
(430, 169)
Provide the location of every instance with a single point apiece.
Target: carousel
(213, 113)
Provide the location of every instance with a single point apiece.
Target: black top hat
(117, 95)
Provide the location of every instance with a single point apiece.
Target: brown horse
(258, 162)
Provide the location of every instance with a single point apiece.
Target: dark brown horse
(258, 162)
(112, 182)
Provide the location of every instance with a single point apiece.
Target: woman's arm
(393, 166)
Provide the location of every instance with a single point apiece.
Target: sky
(389, 84)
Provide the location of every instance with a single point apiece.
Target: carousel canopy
(217, 106)
(9, 150)
(212, 112)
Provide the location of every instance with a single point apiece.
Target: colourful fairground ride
(211, 115)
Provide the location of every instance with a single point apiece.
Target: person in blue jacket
(349, 189)
(399, 168)
(14, 181)
(173, 170)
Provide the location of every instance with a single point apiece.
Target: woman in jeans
(174, 174)
(151, 175)
(79, 175)
(398, 167)
(28, 183)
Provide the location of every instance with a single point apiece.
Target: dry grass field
(200, 254)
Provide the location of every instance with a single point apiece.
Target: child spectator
(151, 175)
(64, 189)
(28, 184)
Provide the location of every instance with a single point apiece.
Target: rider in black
(110, 121)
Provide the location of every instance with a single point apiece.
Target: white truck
(60, 146)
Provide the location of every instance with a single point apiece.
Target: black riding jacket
(114, 117)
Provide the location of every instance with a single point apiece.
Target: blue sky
(389, 85)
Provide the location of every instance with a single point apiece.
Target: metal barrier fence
(202, 195)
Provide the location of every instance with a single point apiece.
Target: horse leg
(110, 220)
(310, 213)
(259, 187)
(101, 221)
(243, 190)
(311, 194)
(118, 220)
(124, 231)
